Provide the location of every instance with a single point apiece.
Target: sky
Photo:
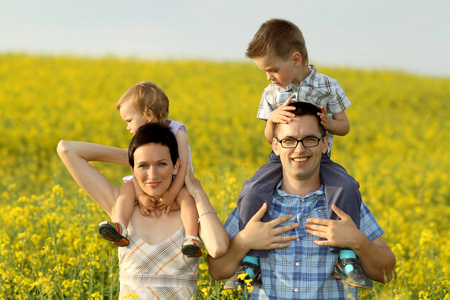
(410, 36)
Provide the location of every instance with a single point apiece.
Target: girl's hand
(165, 202)
(282, 114)
(147, 204)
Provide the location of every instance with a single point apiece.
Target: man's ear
(275, 147)
(297, 59)
(325, 145)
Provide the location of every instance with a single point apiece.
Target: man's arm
(256, 235)
(377, 259)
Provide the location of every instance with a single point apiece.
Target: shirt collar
(311, 80)
(280, 193)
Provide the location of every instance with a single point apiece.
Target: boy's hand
(325, 120)
(165, 202)
(282, 114)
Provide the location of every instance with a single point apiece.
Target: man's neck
(300, 187)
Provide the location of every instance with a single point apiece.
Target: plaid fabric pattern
(317, 89)
(302, 270)
(157, 271)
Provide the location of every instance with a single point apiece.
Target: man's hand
(259, 235)
(282, 114)
(337, 233)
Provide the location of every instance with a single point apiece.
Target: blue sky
(411, 36)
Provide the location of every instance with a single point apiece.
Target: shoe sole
(191, 251)
(110, 234)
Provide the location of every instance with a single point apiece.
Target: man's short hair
(305, 109)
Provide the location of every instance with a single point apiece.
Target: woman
(152, 266)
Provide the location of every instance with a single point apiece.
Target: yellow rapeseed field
(398, 149)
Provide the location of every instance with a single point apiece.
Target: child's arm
(338, 125)
(169, 196)
(281, 115)
(123, 210)
(146, 203)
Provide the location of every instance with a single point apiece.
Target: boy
(279, 50)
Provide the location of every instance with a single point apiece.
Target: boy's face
(279, 71)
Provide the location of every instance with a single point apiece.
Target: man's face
(300, 163)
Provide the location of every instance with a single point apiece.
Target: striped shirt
(158, 271)
(317, 89)
(302, 270)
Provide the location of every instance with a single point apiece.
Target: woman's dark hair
(153, 133)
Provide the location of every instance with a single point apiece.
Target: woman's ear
(176, 167)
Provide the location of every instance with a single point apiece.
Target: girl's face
(153, 168)
(131, 116)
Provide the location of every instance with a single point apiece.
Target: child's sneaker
(191, 247)
(355, 277)
(240, 278)
(116, 233)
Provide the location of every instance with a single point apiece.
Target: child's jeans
(341, 190)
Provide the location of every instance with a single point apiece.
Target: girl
(147, 103)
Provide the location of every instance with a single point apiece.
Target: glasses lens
(289, 143)
(310, 142)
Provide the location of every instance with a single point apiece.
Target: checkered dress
(317, 89)
(157, 271)
(302, 270)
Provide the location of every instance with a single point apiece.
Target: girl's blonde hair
(149, 100)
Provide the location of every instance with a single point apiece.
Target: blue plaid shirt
(302, 270)
(317, 89)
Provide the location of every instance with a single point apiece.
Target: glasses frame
(301, 141)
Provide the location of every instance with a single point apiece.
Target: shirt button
(297, 264)
(296, 290)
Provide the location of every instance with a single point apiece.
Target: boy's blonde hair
(149, 100)
(278, 37)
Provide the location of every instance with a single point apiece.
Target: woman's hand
(193, 185)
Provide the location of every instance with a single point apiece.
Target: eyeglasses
(308, 142)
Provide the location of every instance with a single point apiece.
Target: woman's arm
(76, 157)
(211, 231)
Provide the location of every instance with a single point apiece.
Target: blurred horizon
(407, 36)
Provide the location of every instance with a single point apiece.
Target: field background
(398, 149)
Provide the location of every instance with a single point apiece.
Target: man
(299, 265)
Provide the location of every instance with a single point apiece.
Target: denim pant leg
(342, 190)
(257, 191)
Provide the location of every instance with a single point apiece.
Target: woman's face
(153, 168)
